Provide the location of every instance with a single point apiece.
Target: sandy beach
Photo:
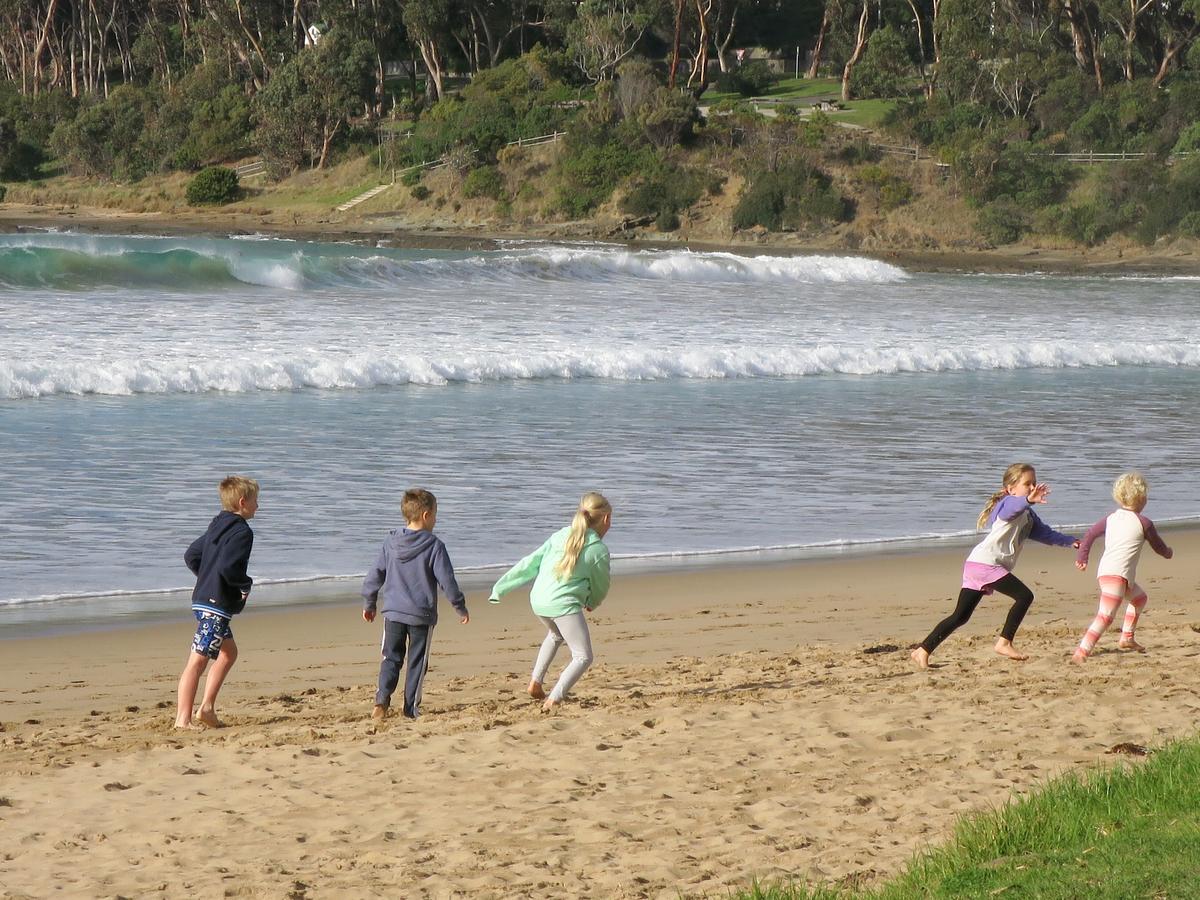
(762, 722)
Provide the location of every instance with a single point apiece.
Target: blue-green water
(720, 402)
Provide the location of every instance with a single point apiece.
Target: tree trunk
(860, 45)
(675, 44)
(722, 44)
(815, 63)
(700, 62)
(433, 65)
(40, 47)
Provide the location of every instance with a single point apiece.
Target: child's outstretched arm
(1044, 534)
(1085, 545)
(1159, 545)
(523, 571)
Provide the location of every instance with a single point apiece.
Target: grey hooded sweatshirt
(411, 567)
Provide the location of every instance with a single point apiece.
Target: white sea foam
(331, 371)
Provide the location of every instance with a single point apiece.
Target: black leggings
(968, 599)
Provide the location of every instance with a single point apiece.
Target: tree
(306, 103)
(600, 34)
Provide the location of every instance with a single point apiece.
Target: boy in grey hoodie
(412, 565)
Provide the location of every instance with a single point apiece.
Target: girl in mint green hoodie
(570, 575)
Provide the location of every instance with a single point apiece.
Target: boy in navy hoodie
(218, 559)
(412, 565)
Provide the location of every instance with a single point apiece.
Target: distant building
(315, 32)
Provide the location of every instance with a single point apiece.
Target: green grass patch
(867, 113)
(1132, 831)
(785, 89)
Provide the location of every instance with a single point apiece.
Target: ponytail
(592, 508)
(988, 507)
(1011, 474)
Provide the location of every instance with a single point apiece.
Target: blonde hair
(592, 508)
(234, 489)
(1011, 474)
(417, 502)
(1129, 488)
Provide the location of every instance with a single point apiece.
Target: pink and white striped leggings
(1114, 589)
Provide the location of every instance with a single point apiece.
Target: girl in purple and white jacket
(1010, 519)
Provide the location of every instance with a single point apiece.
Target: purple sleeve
(1044, 534)
(1156, 542)
(1009, 508)
(1085, 543)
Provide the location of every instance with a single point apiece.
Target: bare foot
(921, 657)
(551, 706)
(535, 690)
(1079, 657)
(379, 712)
(186, 726)
(209, 717)
(1130, 644)
(1006, 649)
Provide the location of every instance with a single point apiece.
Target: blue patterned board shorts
(211, 632)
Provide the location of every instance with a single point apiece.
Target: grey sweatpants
(573, 631)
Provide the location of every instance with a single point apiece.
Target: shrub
(1003, 221)
(1189, 225)
(3, 193)
(749, 80)
(421, 193)
(412, 177)
(663, 192)
(216, 184)
(889, 189)
(667, 220)
(486, 181)
(592, 171)
(796, 195)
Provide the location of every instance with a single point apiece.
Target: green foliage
(412, 177)
(753, 79)
(591, 172)
(306, 104)
(795, 196)
(664, 117)
(1003, 221)
(110, 138)
(486, 181)
(1189, 225)
(889, 189)
(421, 193)
(206, 117)
(520, 98)
(1169, 203)
(884, 66)
(663, 192)
(214, 185)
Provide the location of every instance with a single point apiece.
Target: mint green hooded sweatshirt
(584, 588)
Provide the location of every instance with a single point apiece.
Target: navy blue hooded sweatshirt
(218, 559)
(410, 567)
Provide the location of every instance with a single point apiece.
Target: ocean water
(730, 406)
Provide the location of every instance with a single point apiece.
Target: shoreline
(138, 609)
(1013, 259)
(760, 722)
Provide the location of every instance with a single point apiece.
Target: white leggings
(573, 631)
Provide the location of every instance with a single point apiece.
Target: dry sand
(734, 727)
